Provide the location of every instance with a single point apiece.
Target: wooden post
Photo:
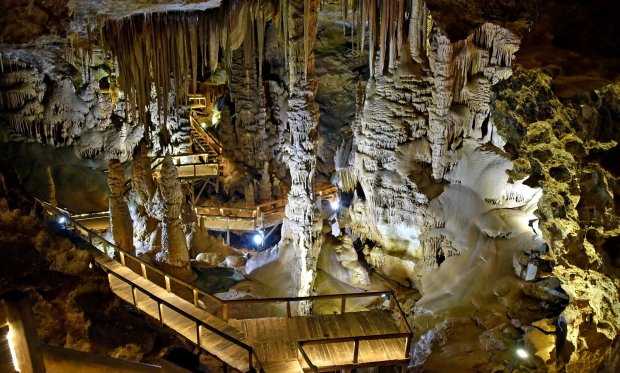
(134, 293)
(143, 270)
(195, 297)
(343, 305)
(160, 308)
(288, 309)
(225, 312)
(122, 254)
(167, 279)
(228, 230)
(198, 334)
(408, 347)
(23, 333)
(356, 349)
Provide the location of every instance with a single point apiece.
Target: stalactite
(383, 35)
(372, 34)
(392, 29)
(400, 27)
(260, 34)
(150, 48)
(306, 41)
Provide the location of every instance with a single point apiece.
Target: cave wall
(567, 146)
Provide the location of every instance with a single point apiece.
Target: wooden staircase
(198, 326)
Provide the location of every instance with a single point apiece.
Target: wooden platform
(276, 339)
(244, 224)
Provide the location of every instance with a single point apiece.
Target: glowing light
(9, 336)
(522, 353)
(215, 116)
(335, 204)
(62, 220)
(258, 239)
(203, 124)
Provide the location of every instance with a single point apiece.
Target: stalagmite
(265, 184)
(120, 220)
(51, 187)
(174, 255)
(141, 209)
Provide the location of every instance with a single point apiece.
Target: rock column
(174, 254)
(302, 209)
(120, 220)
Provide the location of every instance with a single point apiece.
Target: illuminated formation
(304, 186)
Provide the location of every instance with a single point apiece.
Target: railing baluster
(288, 309)
(407, 347)
(122, 254)
(167, 279)
(343, 305)
(195, 292)
(197, 334)
(143, 270)
(356, 349)
(160, 308)
(133, 295)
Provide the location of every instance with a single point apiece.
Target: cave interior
(309, 186)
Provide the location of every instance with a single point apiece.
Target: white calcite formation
(120, 220)
(42, 101)
(302, 209)
(174, 254)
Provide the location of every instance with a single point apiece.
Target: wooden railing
(210, 140)
(146, 270)
(257, 213)
(252, 356)
(356, 344)
(124, 257)
(405, 330)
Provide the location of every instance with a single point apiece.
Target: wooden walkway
(220, 218)
(277, 339)
(344, 340)
(196, 325)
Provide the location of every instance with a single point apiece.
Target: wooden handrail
(356, 344)
(125, 255)
(199, 323)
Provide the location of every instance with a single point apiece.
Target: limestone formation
(120, 220)
(302, 207)
(174, 254)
